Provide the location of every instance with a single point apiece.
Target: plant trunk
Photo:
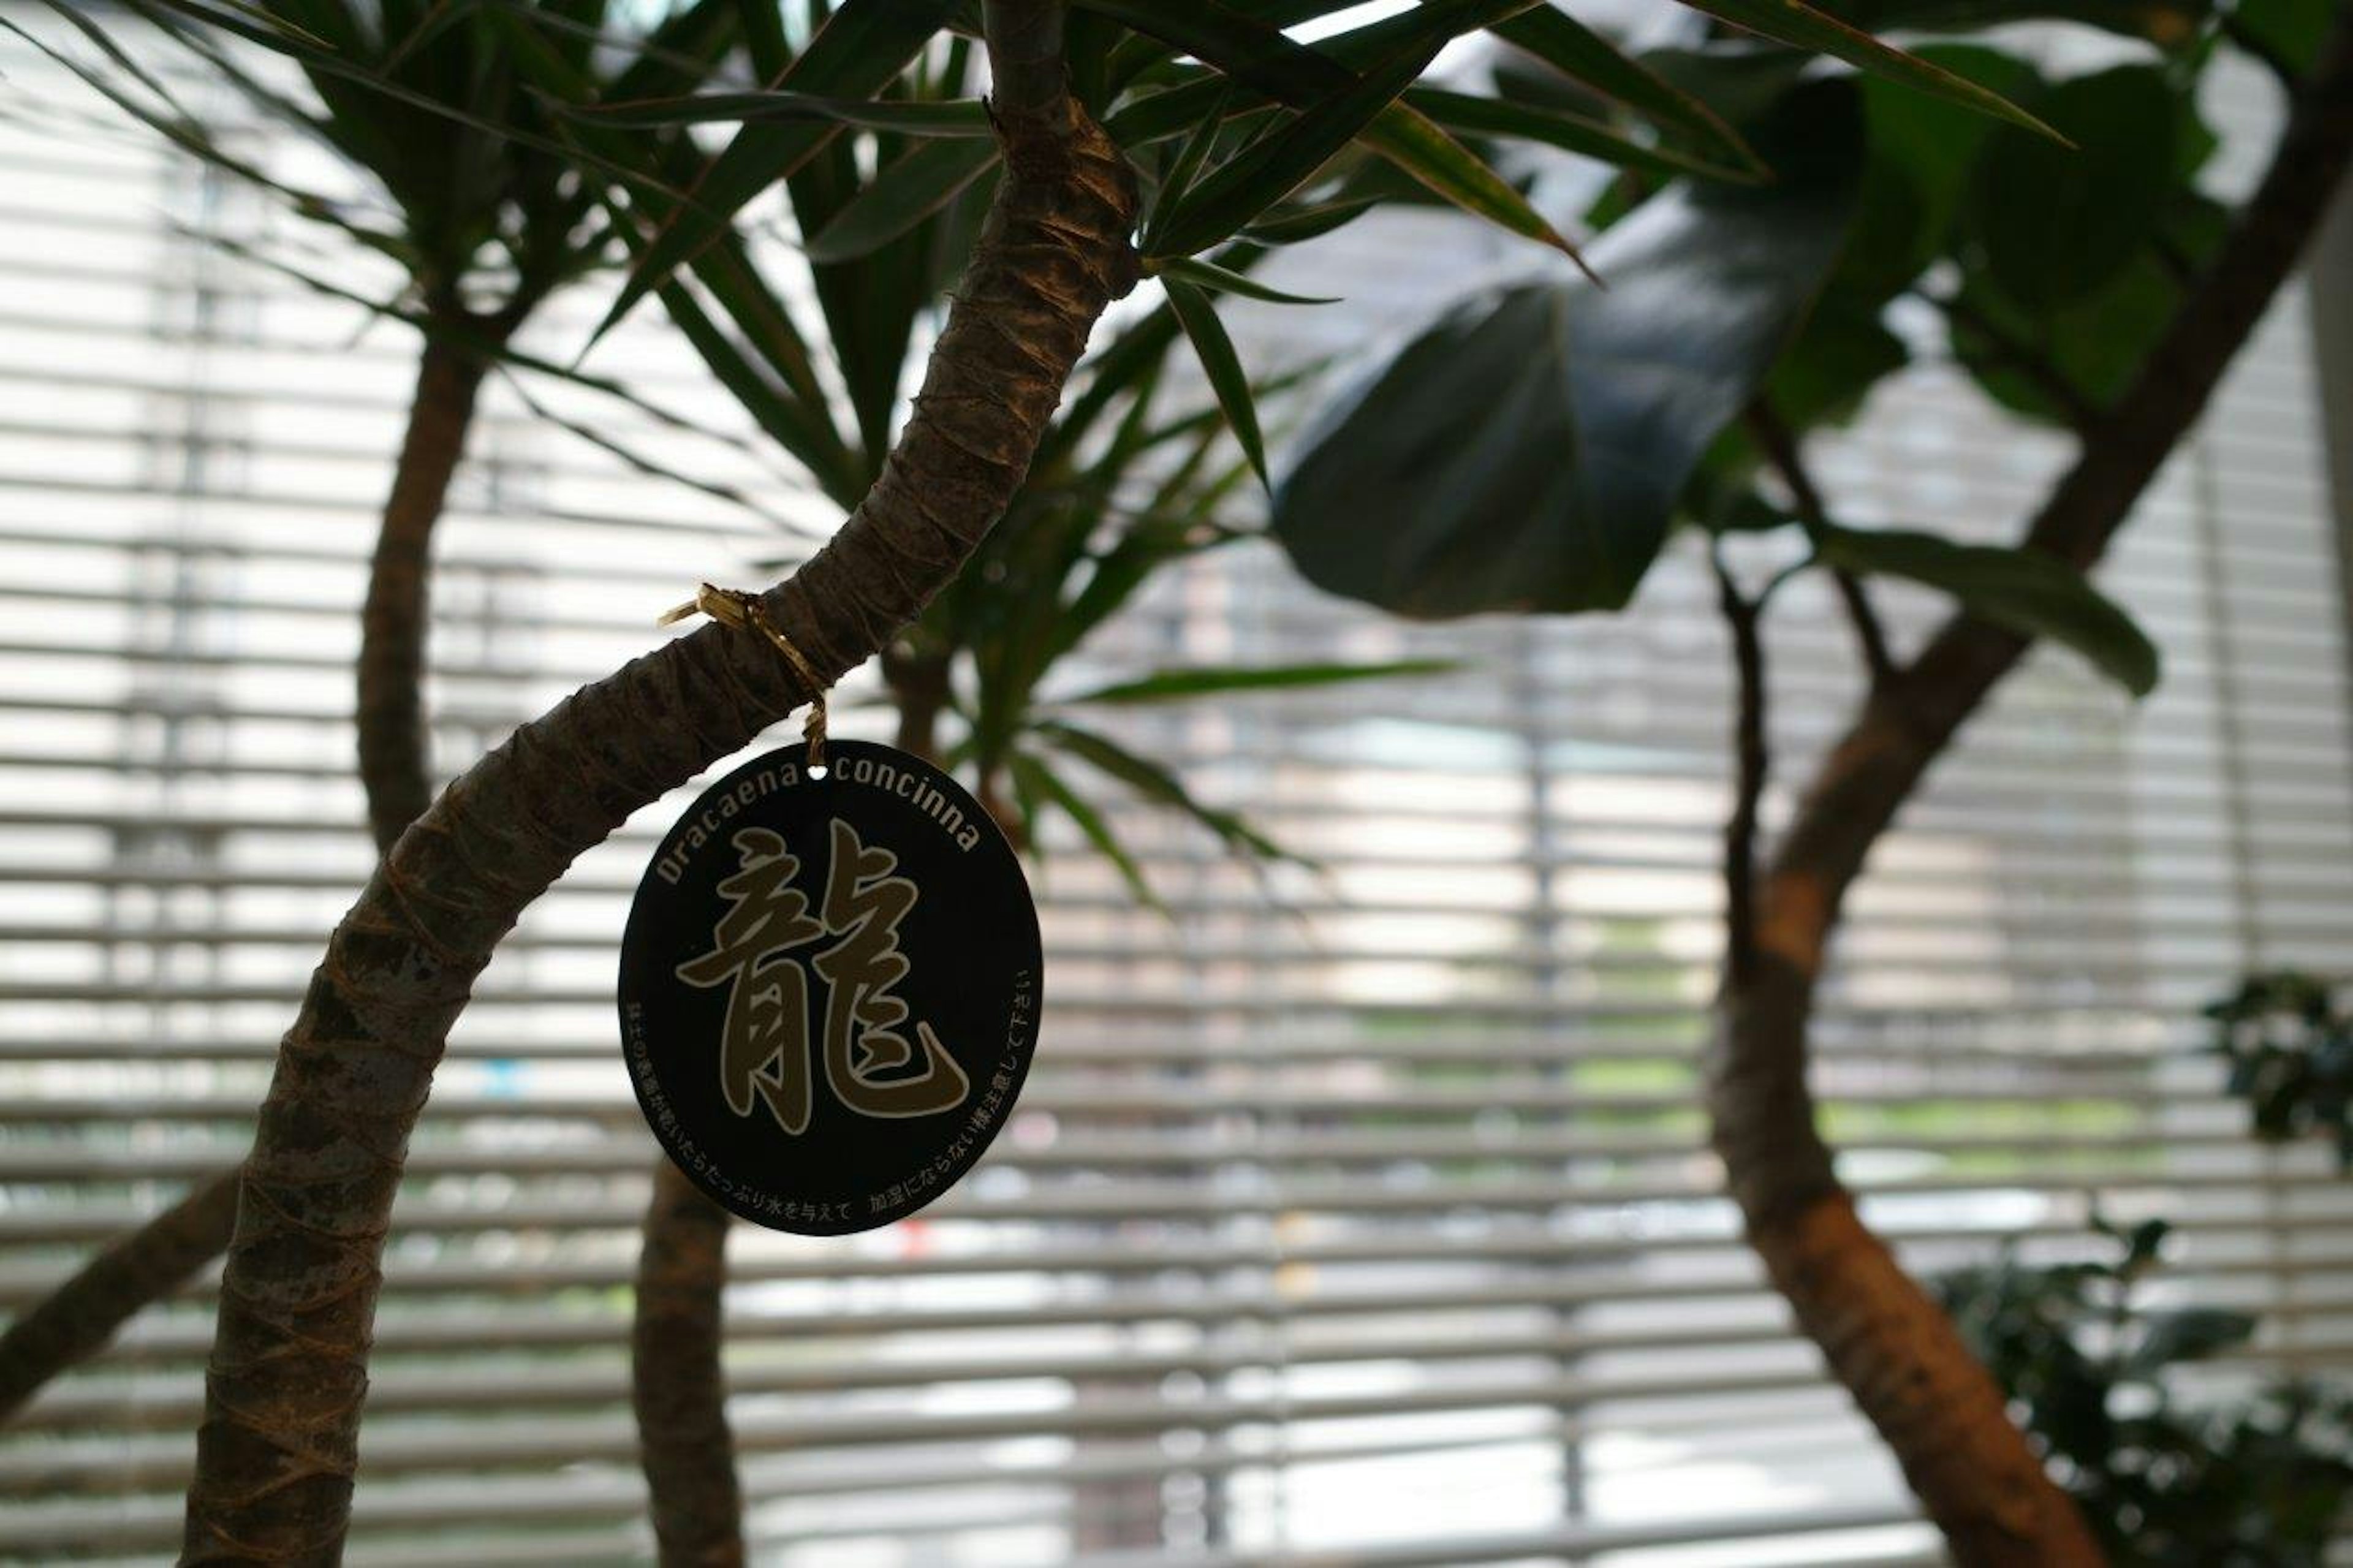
(395, 744)
(1884, 1339)
(84, 1313)
(277, 1449)
(677, 1383)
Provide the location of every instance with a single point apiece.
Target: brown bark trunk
(678, 1384)
(1891, 1345)
(395, 747)
(276, 1452)
(82, 1316)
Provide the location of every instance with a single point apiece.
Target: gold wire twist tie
(734, 607)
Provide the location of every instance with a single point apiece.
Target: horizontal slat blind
(1367, 1213)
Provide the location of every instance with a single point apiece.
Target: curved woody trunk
(277, 1447)
(1884, 1339)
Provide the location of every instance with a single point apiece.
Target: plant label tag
(829, 988)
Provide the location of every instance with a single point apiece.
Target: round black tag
(829, 988)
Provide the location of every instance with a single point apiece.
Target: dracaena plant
(1118, 139)
(1535, 449)
(455, 179)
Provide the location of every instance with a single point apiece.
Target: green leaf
(2029, 593)
(1527, 452)
(2193, 1333)
(1157, 784)
(2096, 346)
(899, 198)
(1473, 115)
(2170, 23)
(1582, 55)
(863, 45)
(1223, 367)
(2292, 32)
(1271, 168)
(2055, 224)
(1804, 27)
(1295, 224)
(1035, 778)
(954, 117)
(1844, 350)
(1208, 275)
(1262, 58)
(1921, 153)
(1203, 680)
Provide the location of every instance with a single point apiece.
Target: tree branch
(279, 1442)
(1752, 764)
(1891, 1345)
(1779, 445)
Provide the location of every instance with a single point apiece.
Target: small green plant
(2087, 1362)
(2290, 1046)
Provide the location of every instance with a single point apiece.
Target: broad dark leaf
(2055, 224)
(1921, 151)
(2026, 591)
(1843, 350)
(2193, 1333)
(2095, 345)
(1525, 453)
(2292, 32)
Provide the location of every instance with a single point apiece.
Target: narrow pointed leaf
(1044, 784)
(901, 196)
(1804, 27)
(957, 117)
(1293, 225)
(1282, 161)
(1263, 59)
(1171, 685)
(1582, 55)
(1209, 275)
(1157, 784)
(1223, 367)
(861, 47)
(1474, 115)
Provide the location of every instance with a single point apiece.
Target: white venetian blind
(1367, 1219)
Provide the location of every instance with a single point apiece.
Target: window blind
(1363, 1215)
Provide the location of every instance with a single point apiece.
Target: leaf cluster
(2261, 1482)
(1531, 449)
(2289, 1043)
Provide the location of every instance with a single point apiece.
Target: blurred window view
(1364, 1205)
